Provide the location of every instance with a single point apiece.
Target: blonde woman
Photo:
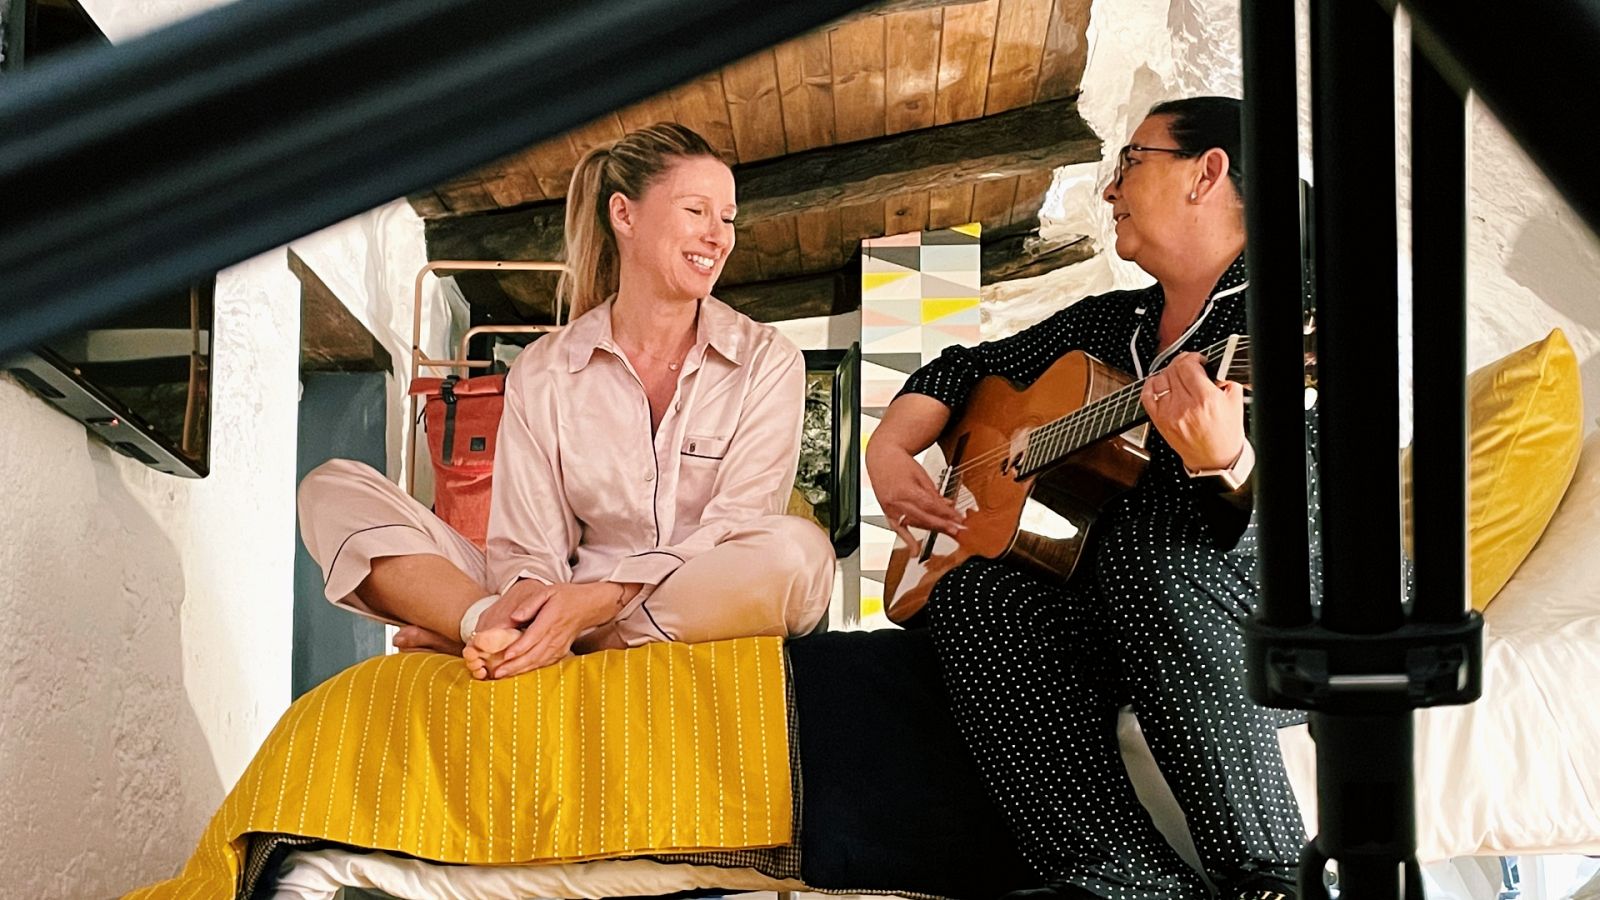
(644, 458)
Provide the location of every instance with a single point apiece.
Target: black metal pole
(1366, 803)
(1357, 295)
(1366, 817)
(1272, 218)
(1545, 95)
(1439, 304)
(127, 170)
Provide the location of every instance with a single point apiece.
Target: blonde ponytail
(591, 251)
(627, 167)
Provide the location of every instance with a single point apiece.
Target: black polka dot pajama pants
(1037, 673)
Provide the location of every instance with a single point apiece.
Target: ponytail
(628, 167)
(591, 249)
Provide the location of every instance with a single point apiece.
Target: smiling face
(676, 237)
(1151, 207)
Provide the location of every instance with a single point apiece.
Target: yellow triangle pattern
(972, 229)
(936, 309)
(874, 280)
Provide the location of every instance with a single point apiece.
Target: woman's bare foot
(484, 651)
(414, 637)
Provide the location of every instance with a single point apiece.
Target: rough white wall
(145, 619)
(1140, 53)
(1532, 263)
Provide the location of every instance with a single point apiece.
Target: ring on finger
(901, 521)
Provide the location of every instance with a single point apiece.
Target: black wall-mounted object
(140, 378)
(840, 370)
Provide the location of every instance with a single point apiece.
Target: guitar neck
(1120, 410)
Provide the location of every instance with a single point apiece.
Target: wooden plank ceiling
(911, 115)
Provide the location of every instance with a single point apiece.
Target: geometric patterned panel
(919, 295)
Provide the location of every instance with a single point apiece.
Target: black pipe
(1366, 818)
(129, 169)
(1357, 299)
(1532, 62)
(1367, 813)
(1272, 217)
(1439, 303)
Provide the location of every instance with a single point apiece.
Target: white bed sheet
(1518, 772)
(319, 874)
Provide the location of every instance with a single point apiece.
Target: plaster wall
(1532, 263)
(146, 620)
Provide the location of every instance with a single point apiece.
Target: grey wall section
(341, 415)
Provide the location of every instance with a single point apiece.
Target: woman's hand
(907, 495)
(502, 613)
(555, 616)
(1202, 419)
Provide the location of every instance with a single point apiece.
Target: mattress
(1518, 772)
(890, 804)
(320, 874)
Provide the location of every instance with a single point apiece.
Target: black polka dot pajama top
(1037, 672)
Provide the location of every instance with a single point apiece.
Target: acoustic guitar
(1032, 468)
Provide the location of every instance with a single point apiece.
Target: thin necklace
(671, 365)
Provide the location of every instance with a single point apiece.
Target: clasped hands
(534, 624)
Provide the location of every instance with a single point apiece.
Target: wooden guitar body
(1042, 520)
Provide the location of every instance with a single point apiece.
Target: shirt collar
(716, 327)
(1236, 274)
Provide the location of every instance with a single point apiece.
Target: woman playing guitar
(1038, 669)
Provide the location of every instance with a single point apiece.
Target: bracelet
(469, 619)
(1231, 477)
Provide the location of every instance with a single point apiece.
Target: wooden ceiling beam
(1025, 255)
(1008, 254)
(890, 7)
(826, 294)
(332, 339)
(1019, 142)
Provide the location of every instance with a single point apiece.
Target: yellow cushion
(664, 748)
(1526, 414)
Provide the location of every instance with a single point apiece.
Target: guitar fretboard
(1227, 360)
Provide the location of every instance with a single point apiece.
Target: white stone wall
(1532, 263)
(145, 620)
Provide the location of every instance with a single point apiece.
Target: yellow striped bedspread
(661, 748)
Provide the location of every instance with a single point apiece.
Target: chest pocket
(704, 447)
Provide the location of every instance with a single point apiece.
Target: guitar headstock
(1231, 356)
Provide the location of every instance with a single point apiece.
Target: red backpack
(462, 416)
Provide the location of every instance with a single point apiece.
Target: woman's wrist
(1233, 475)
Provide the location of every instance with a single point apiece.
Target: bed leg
(785, 895)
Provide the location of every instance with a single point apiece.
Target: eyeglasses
(1123, 158)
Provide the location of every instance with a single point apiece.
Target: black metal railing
(1369, 656)
(126, 170)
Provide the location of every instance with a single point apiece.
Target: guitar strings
(1082, 416)
(1086, 414)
